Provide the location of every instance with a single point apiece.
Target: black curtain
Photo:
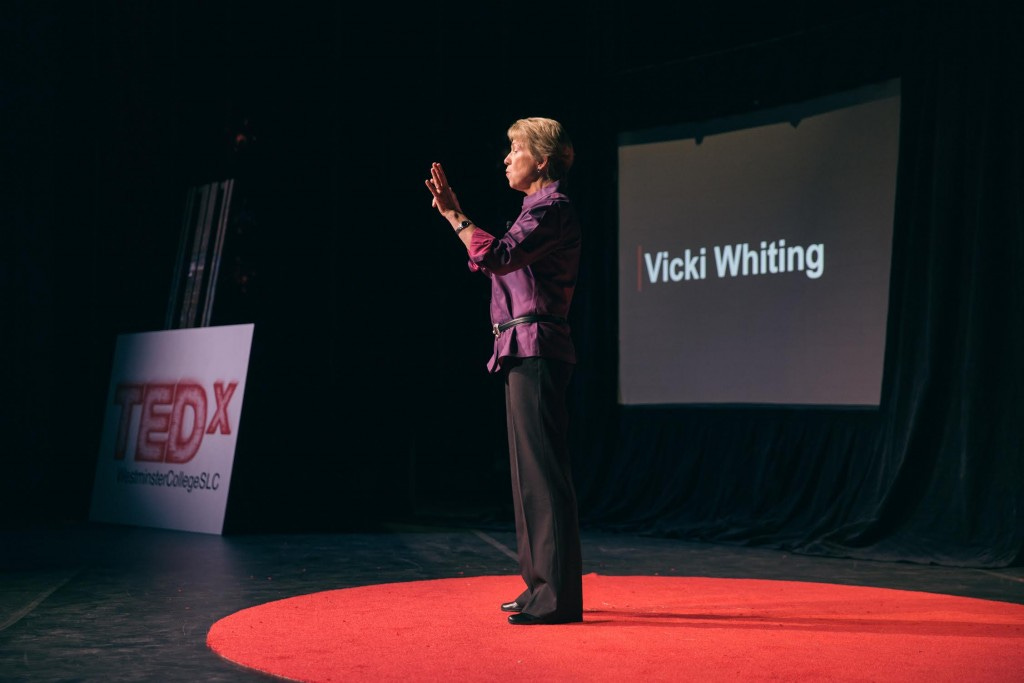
(108, 119)
(936, 473)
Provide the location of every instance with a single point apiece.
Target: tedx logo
(167, 421)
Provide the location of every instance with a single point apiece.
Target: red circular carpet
(635, 628)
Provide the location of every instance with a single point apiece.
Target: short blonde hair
(545, 138)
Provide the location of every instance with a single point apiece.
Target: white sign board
(170, 428)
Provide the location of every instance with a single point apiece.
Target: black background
(367, 395)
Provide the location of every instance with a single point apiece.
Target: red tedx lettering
(220, 416)
(172, 419)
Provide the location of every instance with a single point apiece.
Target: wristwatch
(463, 226)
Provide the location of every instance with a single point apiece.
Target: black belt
(498, 328)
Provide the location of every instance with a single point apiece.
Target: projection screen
(754, 255)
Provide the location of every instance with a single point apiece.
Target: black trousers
(544, 499)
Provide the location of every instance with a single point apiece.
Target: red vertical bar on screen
(639, 267)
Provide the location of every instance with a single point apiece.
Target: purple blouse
(533, 270)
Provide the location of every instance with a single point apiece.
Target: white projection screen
(754, 255)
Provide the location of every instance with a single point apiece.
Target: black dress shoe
(511, 607)
(524, 619)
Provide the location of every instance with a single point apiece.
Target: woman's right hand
(444, 200)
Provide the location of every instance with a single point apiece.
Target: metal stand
(199, 255)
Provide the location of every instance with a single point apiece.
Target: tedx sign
(170, 428)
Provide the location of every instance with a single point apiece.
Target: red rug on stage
(635, 628)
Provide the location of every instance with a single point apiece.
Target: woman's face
(520, 168)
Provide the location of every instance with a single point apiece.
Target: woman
(533, 270)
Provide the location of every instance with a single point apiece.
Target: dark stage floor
(84, 602)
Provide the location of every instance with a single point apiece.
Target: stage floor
(89, 602)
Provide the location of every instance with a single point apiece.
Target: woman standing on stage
(533, 270)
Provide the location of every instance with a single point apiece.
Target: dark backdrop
(367, 397)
